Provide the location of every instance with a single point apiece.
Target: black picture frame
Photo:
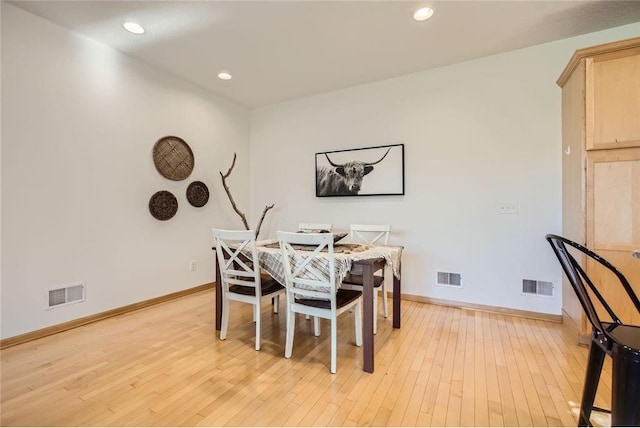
(367, 171)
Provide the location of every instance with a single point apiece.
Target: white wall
(79, 121)
(476, 134)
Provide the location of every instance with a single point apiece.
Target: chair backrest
(370, 233)
(580, 281)
(309, 270)
(314, 227)
(233, 248)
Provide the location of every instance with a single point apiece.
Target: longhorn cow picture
(361, 172)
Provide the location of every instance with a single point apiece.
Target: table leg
(396, 302)
(219, 297)
(367, 317)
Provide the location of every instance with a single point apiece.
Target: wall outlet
(508, 208)
(193, 265)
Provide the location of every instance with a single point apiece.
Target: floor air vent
(539, 288)
(72, 293)
(449, 278)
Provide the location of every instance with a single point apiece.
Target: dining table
(367, 259)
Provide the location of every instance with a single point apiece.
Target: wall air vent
(449, 278)
(72, 293)
(539, 288)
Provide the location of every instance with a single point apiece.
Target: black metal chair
(616, 339)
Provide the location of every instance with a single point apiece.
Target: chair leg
(334, 343)
(375, 311)
(316, 326)
(358, 323)
(625, 388)
(592, 377)
(291, 327)
(225, 319)
(258, 318)
(276, 303)
(385, 308)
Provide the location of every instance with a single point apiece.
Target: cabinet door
(613, 100)
(613, 223)
(573, 181)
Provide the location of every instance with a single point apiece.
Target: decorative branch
(267, 208)
(233, 202)
(226, 188)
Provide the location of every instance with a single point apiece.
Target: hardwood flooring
(164, 366)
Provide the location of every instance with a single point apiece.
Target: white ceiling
(279, 50)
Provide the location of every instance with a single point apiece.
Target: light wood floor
(164, 366)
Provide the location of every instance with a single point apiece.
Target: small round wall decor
(197, 194)
(163, 205)
(173, 158)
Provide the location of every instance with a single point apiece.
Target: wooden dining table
(369, 260)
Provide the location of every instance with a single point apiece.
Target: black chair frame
(616, 339)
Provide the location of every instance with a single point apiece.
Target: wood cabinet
(601, 167)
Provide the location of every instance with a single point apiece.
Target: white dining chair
(311, 287)
(370, 234)
(240, 275)
(314, 227)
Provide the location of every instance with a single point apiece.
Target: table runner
(270, 259)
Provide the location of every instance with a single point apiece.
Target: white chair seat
(355, 279)
(343, 298)
(370, 234)
(312, 290)
(240, 275)
(268, 286)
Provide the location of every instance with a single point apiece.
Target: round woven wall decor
(173, 158)
(163, 205)
(197, 194)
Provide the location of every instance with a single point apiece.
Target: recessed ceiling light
(423, 13)
(133, 27)
(224, 75)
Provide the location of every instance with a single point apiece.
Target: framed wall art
(369, 171)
